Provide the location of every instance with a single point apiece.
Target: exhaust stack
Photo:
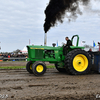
(45, 39)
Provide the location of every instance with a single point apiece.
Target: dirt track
(20, 85)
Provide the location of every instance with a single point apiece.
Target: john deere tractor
(75, 61)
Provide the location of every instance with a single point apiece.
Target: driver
(67, 45)
(69, 42)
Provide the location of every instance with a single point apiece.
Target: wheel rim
(80, 62)
(39, 68)
(31, 66)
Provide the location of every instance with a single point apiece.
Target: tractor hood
(44, 47)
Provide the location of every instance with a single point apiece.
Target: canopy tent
(24, 50)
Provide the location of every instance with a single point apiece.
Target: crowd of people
(14, 55)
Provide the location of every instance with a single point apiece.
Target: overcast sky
(21, 20)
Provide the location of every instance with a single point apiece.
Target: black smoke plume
(56, 10)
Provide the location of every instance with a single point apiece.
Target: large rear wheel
(78, 62)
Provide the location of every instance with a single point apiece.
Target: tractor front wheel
(29, 67)
(77, 62)
(39, 68)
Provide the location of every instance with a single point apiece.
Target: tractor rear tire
(29, 67)
(39, 68)
(78, 62)
(60, 69)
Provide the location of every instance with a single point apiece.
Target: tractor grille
(38, 54)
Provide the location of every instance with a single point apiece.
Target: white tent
(24, 50)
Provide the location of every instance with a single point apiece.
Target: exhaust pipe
(45, 39)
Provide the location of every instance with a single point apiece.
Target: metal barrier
(14, 59)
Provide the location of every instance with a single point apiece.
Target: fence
(14, 59)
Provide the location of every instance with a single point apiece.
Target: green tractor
(75, 61)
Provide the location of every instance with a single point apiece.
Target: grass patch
(50, 66)
(20, 67)
(12, 67)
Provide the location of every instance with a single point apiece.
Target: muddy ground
(20, 85)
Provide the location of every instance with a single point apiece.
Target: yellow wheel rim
(31, 66)
(80, 62)
(39, 68)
